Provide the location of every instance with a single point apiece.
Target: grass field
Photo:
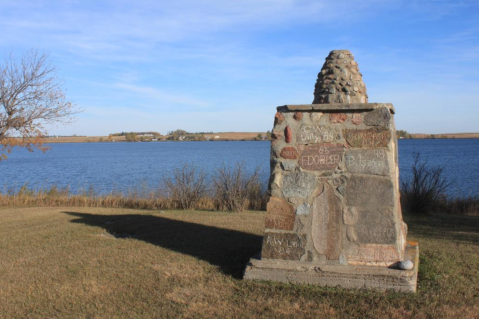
(109, 263)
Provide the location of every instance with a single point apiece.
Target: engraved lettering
(321, 157)
(375, 137)
(284, 246)
(316, 133)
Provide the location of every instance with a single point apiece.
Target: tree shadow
(230, 250)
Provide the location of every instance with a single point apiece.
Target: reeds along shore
(56, 197)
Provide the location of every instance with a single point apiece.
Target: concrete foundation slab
(346, 276)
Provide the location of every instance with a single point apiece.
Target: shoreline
(233, 136)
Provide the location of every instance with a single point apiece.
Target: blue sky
(217, 65)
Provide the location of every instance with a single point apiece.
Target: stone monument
(334, 216)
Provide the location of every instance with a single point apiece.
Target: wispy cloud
(160, 96)
(107, 29)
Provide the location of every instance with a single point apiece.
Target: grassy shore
(107, 263)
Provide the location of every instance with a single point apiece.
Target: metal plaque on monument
(334, 216)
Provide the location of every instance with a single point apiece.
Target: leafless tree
(31, 97)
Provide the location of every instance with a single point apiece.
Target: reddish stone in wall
(278, 118)
(338, 117)
(298, 116)
(280, 214)
(375, 137)
(289, 153)
(326, 224)
(357, 119)
(288, 134)
(318, 157)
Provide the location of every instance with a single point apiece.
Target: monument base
(348, 276)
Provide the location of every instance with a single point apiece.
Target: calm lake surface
(125, 166)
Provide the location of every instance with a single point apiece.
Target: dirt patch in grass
(108, 263)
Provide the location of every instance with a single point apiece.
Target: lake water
(124, 166)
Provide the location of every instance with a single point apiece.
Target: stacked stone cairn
(334, 216)
(340, 80)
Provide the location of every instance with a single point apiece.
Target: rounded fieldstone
(298, 116)
(406, 265)
(288, 134)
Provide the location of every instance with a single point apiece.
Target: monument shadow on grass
(230, 250)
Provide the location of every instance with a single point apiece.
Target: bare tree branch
(31, 96)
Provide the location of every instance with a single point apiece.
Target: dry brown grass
(120, 263)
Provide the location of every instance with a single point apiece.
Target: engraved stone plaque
(375, 226)
(369, 191)
(316, 133)
(289, 153)
(374, 137)
(280, 214)
(326, 224)
(319, 157)
(371, 254)
(373, 162)
(299, 185)
(284, 246)
(379, 117)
